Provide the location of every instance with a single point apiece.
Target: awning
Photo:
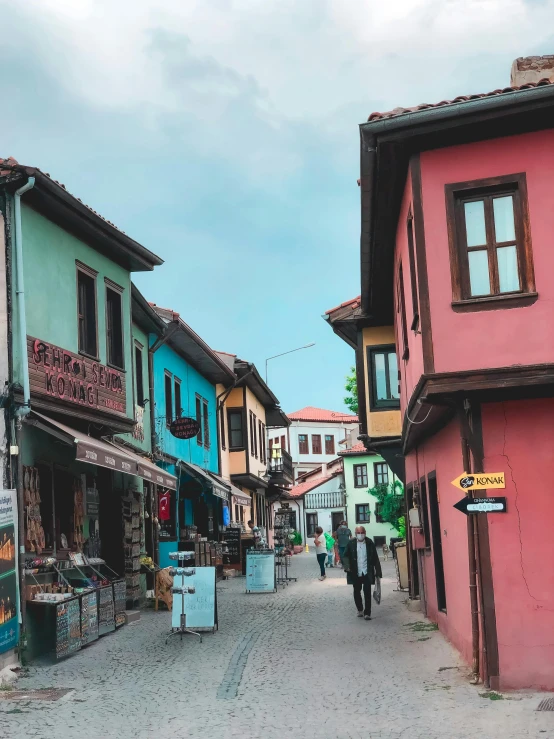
(238, 497)
(210, 479)
(150, 471)
(102, 453)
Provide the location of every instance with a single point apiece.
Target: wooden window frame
(378, 516)
(374, 404)
(253, 434)
(206, 423)
(168, 382)
(414, 326)
(401, 308)
(178, 406)
(300, 444)
(358, 518)
(198, 410)
(92, 274)
(316, 436)
(139, 373)
(376, 472)
(456, 195)
(312, 516)
(231, 412)
(110, 286)
(329, 444)
(361, 484)
(222, 426)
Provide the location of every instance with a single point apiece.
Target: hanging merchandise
(78, 515)
(131, 542)
(34, 532)
(164, 513)
(283, 545)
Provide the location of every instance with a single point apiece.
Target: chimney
(532, 69)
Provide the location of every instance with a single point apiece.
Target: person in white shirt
(320, 550)
(362, 565)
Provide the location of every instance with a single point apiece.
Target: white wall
(324, 517)
(360, 495)
(308, 461)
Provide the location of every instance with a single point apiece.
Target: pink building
(458, 254)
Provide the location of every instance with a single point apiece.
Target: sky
(223, 135)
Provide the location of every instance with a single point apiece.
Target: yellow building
(245, 413)
(378, 380)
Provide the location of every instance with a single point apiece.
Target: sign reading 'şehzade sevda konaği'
(57, 373)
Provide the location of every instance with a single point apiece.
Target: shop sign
(138, 429)
(184, 428)
(481, 505)
(92, 502)
(480, 481)
(9, 633)
(60, 374)
(111, 460)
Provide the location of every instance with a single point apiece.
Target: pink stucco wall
(442, 454)
(487, 332)
(519, 439)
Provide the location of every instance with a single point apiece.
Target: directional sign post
(481, 481)
(481, 505)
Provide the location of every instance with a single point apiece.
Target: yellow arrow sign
(480, 481)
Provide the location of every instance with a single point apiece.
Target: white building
(363, 471)
(314, 437)
(318, 500)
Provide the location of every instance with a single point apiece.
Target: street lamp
(307, 346)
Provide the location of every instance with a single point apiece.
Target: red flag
(164, 506)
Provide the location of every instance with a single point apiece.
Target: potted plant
(296, 542)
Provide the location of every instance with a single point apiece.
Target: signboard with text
(480, 481)
(481, 505)
(9, 621)
(260, 571)
(184, 428)
(59, 374)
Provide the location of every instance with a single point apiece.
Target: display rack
(179, 588)
(132, 543)
(282, 531)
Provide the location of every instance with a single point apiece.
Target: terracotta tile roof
(354, 303)
(310, 413)
(460, 99)
(304, 487)
(356, 449)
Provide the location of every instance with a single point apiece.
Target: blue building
(184, 372)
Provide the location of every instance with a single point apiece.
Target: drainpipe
(160, 341)
(472, 556)
(25, 409)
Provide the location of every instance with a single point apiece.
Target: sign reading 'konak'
(57, 373)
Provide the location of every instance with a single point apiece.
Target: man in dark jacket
(362, 565)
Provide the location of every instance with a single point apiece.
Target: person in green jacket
(330, 550)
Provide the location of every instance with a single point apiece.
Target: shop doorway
(336, 518)
(436, 536)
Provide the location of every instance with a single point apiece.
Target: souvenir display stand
(181, 574)
(283, 558)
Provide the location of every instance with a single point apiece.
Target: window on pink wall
(490, 240)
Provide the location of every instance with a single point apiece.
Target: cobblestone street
(295, 663)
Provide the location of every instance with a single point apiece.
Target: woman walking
(320, 550)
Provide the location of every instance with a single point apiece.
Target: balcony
(325, 500)
(280, 466)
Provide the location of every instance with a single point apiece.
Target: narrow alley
(294, 663)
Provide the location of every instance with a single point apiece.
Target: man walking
(343, 535)
(362, 565)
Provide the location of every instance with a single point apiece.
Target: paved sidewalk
(295, 663)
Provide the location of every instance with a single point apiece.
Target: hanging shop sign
(57, 373)
(480, 481)
(481, 505)
(9, 627)
(184, 428)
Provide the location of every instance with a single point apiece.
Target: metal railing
(280, 463)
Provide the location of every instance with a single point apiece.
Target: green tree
(351, 387)
(391, 504)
